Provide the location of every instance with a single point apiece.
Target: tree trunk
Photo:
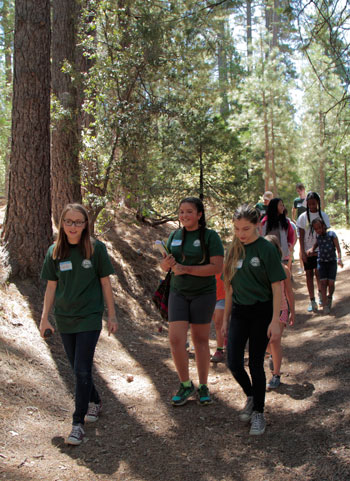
(65, 173)
(201, 173)
(7, 28)
(347, 212)
(222, 69)
(27, 227)
(272, 149)
(249, 29)
(322, 161)
(267, 144)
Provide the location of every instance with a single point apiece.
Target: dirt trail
(140, 436)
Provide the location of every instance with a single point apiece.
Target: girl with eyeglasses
(77, 270)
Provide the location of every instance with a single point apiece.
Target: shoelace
(93, 409)
(77, 432)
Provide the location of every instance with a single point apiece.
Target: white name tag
(66, 266)
(239, 264)
(176, 242)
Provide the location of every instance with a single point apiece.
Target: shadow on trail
(203, 443)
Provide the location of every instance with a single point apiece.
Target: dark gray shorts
(193, 309)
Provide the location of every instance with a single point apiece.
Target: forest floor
(140, 436)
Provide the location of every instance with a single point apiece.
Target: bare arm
(227, 311)
(294, 212)
(290, 295)
(302, 244)
(337, 246)
(49, 300)
(313, 248)
(214, 267)
(274, 331)
(112, 323)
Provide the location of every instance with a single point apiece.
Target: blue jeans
(80, 350)
(249, 323)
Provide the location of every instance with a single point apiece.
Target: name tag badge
(176, 242)
(66, 266)
(239, 263)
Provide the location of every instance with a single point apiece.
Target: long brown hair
(62, 249)
(236, 250)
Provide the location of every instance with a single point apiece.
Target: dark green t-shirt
(255, 273)
(262, 208)
(187, 284)
(300, 205)
(79, 303)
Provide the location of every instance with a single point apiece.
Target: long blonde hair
(236, 250)
(61, 249)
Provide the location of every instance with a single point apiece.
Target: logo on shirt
(255, 261)
(197, 243)
(87, 264)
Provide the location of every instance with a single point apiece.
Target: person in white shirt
(307, 240)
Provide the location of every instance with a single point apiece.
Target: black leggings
(80, 350)
(249, 323)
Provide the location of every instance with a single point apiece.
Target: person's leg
(200, 339)
(237, 340)
(218, 320)
(310, 282)
(258, 341)
(331, 288)
(276, 351)
(323, 285)
(85, 344)
(177, 338)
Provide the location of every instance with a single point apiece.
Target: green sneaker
(181, 397)
(204, 395)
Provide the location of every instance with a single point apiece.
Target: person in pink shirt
(287, 312)
(276, 223)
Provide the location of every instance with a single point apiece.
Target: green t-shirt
(255, 273)
(262, 208)
(187, 284)
(79, 303)
(300, 205)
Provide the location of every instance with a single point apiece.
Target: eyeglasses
(77, 223)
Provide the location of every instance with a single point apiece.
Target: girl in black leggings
(253, 275)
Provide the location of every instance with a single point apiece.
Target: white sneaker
(76, 436)
(258, 424)
(246, 412)
(93, 412)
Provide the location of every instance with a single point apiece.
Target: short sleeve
(48, 271)
(215, 246)
(104, 266)
(301, 221)
(273, 265)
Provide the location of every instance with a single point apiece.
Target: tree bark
(347, 212)
(249, 29)
(6, 24)
(65, 172)
(27, 227)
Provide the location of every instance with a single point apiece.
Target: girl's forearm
(49, 299)
(203, 271)
(108, 296)
(228, 305)
(277, 298)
